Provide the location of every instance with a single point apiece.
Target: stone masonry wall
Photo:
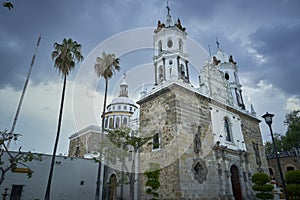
(192, 166)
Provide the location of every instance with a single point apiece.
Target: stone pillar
(155, 73)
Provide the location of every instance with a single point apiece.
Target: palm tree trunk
(102, 128)
(104, 104)
(47, 195)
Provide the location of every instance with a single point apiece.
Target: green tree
(291, 140)
(152, 184)
(105, 67)
(117, 144)
(260, 181)
(292, 136)
(65, 57)
(13, 160)
(7, 4)
(292, 178)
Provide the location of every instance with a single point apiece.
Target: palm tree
(66, 55)
(105, 67)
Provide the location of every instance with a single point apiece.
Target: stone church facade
(207, 144)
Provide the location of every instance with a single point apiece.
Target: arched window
(160, 73)
(290, 168)
(180, 44)
(160, 46)
(106, 123)
(271, 171)
(117, 122)
(125, 121)
(112, 187)
(227, 130)
(111, 122)
(182, 71)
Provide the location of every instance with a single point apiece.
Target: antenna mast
(23, 92)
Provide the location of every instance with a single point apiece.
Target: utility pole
(23, 93)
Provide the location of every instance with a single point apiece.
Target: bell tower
(170, 57)
(229, 67)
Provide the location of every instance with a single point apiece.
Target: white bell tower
(229, 67)
(170, 57)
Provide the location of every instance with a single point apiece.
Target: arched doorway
(235, 183)
(112, 187)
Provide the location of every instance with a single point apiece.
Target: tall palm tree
(105, 67)
(66, 55)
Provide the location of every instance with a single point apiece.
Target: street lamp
(268, 118)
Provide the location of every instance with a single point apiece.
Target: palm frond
(65, 55)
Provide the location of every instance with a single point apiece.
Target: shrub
(260, 179)
(292, 177)
(293, 190)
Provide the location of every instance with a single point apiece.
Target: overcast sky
(262, 36)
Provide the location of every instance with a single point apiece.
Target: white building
(73, 178)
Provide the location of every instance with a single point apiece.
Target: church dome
(120, 109)
(122, 100)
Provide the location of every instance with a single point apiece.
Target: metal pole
(278, 164)
(23, 92)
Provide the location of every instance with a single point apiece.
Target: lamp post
(268, 118)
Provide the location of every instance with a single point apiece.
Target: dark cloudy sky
(262, 36)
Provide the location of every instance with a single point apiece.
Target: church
(206, 143)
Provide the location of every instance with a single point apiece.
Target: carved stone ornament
(199, 170)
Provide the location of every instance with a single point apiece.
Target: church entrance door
(112, 187)
(235, 182)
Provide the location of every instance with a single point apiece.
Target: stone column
(155, 73)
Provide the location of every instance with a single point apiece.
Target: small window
(16, 192)
(113, 107)
(119, 107)
(227, 130)
(170, 43)
(226, 76)
(155, 141)
(130, 109)
(125, 107)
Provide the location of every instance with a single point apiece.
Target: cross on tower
(168, 8)
(217, 42)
